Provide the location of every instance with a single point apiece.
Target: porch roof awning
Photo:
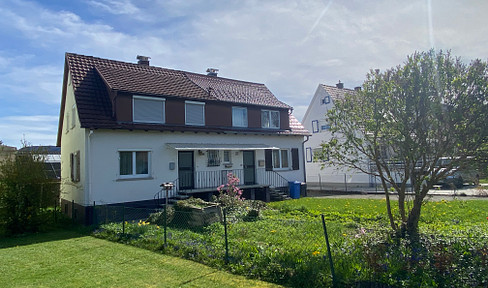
(212, 146)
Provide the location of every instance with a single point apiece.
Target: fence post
(73, 211)
(165, 217)
(329, 253)
(123, 220)
(225, 234)
(55, 216)
(320, 183)
(345, 181)
(94, 214)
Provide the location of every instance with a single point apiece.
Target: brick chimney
(340, 85)
(143, 60)
(212, 72)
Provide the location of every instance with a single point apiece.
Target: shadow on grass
(41, 237)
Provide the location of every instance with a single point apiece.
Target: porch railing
(161, 194)
(213, 179)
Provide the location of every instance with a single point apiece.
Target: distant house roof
(337, 93)
(41, 149)
(91, 76)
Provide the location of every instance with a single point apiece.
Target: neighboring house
(7, 152)
(330, 177)
(124, 129)
(51, 156)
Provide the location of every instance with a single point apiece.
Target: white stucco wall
(319, 175)
(107, 187)
(72, 140)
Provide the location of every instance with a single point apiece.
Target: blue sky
(291, 46)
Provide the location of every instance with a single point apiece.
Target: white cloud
(35, 129)
(31, 84)
(116, 7)
(290, 46)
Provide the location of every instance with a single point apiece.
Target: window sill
(281, 169)
(134, 179)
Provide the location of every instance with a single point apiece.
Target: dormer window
(194, 113)
(270, 119)
(239, 116)
(148, 109)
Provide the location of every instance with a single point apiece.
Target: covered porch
(201, 168)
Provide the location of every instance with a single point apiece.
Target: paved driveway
(465, 193)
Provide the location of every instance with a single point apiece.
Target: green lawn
(70, 259)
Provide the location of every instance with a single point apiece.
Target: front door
(185, 169)
(248, 164)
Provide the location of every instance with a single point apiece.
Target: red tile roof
(235, 91)
(337, 93)
(92, 76)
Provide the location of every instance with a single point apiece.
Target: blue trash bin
(294, 187)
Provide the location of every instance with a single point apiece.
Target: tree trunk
(388, 206)
(401, 205)
(412, 227)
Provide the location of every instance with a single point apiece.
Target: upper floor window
(134, 164)
(326, 100)
(239, 116)
(270, 119)
(194, 113)
(67, 122)
(148, 109)
(73, 118)
(325, 127)
(315, 126)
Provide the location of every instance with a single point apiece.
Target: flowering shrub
(230, 196)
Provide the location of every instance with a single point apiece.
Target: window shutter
(71, 166)
(195, 114)
(147, 110)
(77, 160)
(268, 160)
(294, 159)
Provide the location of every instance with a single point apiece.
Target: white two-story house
(126, 128)
(321, 175)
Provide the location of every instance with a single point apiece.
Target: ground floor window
(133, 164)
(280, 159)
(213, 158)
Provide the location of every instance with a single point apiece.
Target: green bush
(25, 192)
(157, 218)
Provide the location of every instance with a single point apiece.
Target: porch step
(277, 195)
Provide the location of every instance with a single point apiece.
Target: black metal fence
(214, 234)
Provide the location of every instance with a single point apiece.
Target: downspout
(88, 165)
(304, 156)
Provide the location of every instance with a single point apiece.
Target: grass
(286, 246)
(470, 212)
(71, 259)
